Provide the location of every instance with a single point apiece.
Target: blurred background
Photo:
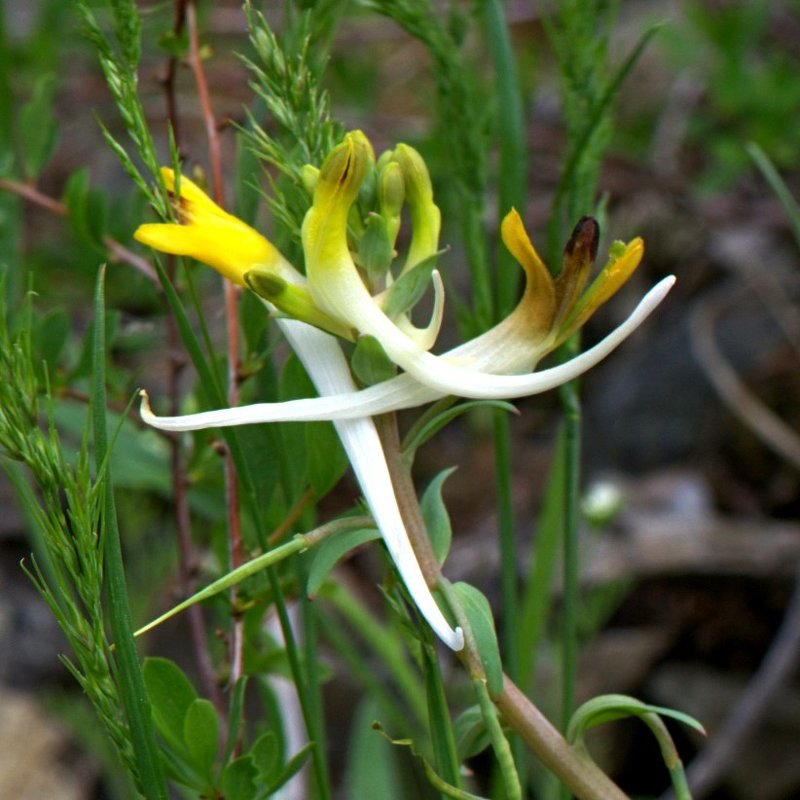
(691, 477)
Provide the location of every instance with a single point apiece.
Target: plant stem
(232, 329)
(572, 766)
(572, 444)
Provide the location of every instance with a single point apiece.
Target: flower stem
(573, 767)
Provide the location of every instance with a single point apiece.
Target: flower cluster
(350, 290)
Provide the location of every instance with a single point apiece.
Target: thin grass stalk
(510, 120)
(571, 554)
(137, 705)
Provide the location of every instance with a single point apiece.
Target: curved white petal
(330, 373)
(405, 392)
(426, 337)
(441, 374)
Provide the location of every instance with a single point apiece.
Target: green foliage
(434, 513)
(751, 87)
(332, 551)
(38, 130)
(481, 622)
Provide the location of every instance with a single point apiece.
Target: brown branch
(118, 251)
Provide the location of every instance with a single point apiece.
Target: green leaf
(446, 789)
(429, 425)
(171, 694)
(372, 768)
(239, 779)
(440, 728)
(610, 707)
(331, 551)
(292, 767)
(479, 614)
(200, 735)
(86, 209)
(38, 131)
(408, 289)
(131, 682)
(471, 734)
(266, 754)
(235, 717)
(49, 338)
(434, 513)
(370, 363)
(326, 457)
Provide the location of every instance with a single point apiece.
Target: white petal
(441, 374)
(406, 392)
(330, 373)
(426, 337)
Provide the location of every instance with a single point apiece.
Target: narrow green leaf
(436, 517)
(777, 184)
(439, 725)
(408, 289)
(610, 707)
(479, 613)
(292, 767)
(438, 783)
(171, 695)
(429, 426)
(151, 775)
(200, 735)
(235, 717)
(86, 209)
(49, 338)
(328, 554)
(371, 769)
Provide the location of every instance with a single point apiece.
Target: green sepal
(375, 248)
(369, 362)
(293, 301)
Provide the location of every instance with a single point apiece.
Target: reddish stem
(231, 315)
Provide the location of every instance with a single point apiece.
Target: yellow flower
(211, 235)
(555, 308)
(238, 252)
